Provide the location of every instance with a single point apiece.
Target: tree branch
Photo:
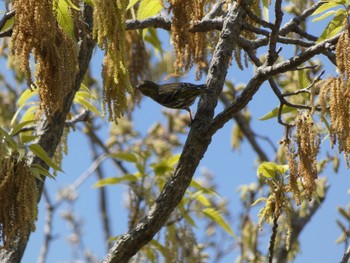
(50, 132)
(194, 149)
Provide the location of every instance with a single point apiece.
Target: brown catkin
(55, 54)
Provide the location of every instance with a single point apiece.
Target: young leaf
(266, 9)
(148, 8)
(217, 218)
(8, 139)
(89, 2)
(327, 6)
(303, 79)
(124, 156)
(334, 26)
(159, 247)
(153, 39)
(80, 100)
(38, 170)
(8, 24)
(325, 15)
(199, 196)
(29, 114)
(344, 213)
(274, 112)
(40, 152)
(115, 180)
(64, 17)
(25, 96)
(270, 169)
(131, 4)
(21, 125)
(27, 138)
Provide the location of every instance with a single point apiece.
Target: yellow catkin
(190, 48)
(109, 30)
(308, 147)
(293, 171)
(55, 54)
(18, 198)
(335, 98)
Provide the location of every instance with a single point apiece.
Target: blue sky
(230, 168)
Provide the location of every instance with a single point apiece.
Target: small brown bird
(179, 95)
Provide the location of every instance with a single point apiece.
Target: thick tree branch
(262, 74)
(194, 149)
(50, 132)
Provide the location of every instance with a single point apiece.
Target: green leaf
(217, 218)
(149, 254)
(153, 39)
(327, 6)
(197, 185)
(28, 138)
(89, 2)
(173, 159)
(325, 15)
(334, 26)
(40, 152)
(159, 247)
(344, 213)
(37, 169)
(115, 180)
(8, 24)
(21, 125)
(86, 104)
(199, 196)
(266, 9)
(185, 213)
(342, 227)
(64, 17)
(125, 156)
(8, 139)
(131, 4)
(303, 79)
(29, 114)
(112, 239)
(270, 169)
(274, 112)
(148, 8)
(25, 96)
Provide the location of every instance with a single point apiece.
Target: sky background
(230, 168)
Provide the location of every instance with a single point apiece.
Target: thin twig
(47, 228)
(102, 200)
(346, 257)
(255, 18)
(99, 142)
(305, 90)
(272, 53)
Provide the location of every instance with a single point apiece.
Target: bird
(177, 95)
